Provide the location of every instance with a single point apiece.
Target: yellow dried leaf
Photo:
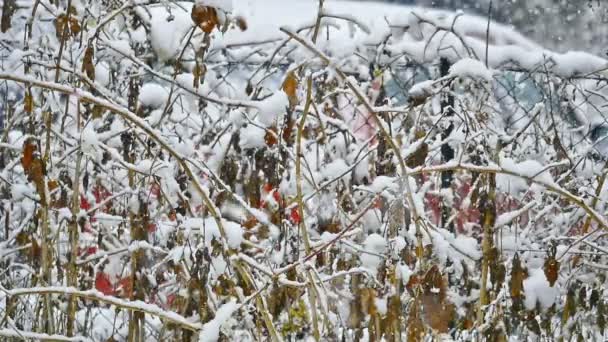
(368, 301)
(569, 307)
(28, 102)
(290, 87)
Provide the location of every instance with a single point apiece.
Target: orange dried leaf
(271, 137)
(250, 222)
(204, 17)
(52, 184)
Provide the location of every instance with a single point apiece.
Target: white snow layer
(272, 108)
(224, 5)
(211, 329)
(538, 290)
(153, 95)
(473, 68)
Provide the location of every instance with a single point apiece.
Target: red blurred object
(103, 284)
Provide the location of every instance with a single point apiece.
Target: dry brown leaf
(418, 157)
(204, 17)
(36, 174)
(551, 269)
(34, 168)
(52, 184)
(271, 137)
(433, 282)
(87, 63)
(438, 312)
(368, 301)
(415, 327)
(36, 250)
(250, 222)
(97, 112)
(64, 22)
(569, 307)
(241, 23)
(518, 274)
(8, 9)
(74, 26)
(22, 238)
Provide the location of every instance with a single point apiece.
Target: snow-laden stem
(303, 229)
(301, 126)
(488, 208)
(72, 276)
(137, 306)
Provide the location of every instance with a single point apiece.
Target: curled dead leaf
(241, 23)
(518, 274)
(271, 137)
(551, 269)
(67, 22)
(87, 63)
